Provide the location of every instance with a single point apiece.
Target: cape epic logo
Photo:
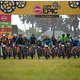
(47, 9)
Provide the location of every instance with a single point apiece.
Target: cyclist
(62, 38)
(4, 44)
(19, 40)
(68, 38)
(25, 40)
(75, 41)
(54, 41)
(32, 39)
(14, 38)
(47, 41)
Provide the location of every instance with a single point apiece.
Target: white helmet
(62, 45)
(43, 35)
(4, 35)
(75, 38)
(46, 45)
(78, 36)
(15, 35)
(53, 46)
(24, 35)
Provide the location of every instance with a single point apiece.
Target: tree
(72, 22)
(28, 19)
(55, 23)
(43, 23)
(20, 32)
(33, 31)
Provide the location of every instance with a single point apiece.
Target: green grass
(51, 69)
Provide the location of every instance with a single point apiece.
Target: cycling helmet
(3, 35)
(15, 35)
(46, 36)
(20, 34)
(63, 35)
(78, 36)
(68, 34)
(32, 34)
(46, 46)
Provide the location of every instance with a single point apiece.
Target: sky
(16, 21)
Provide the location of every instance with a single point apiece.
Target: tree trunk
(75, 25)
(74, 30)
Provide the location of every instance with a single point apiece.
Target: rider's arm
(16, 41)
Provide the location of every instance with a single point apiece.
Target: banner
(40, 7)
(5, 18)
(8, 33)
(5, 24)
(5, 29)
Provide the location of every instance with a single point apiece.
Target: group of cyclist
(46, 43)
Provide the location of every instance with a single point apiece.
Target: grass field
(51, 69)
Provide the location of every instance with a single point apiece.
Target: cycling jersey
(32, 40)
(47, 42)
(19, 41)
(67, 39)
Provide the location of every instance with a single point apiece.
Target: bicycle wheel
(74, 4)
(20, 4)
(7, 6)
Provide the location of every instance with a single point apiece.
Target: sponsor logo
(47, 9)
(51, 9)
(38, 9)
(4, 18)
